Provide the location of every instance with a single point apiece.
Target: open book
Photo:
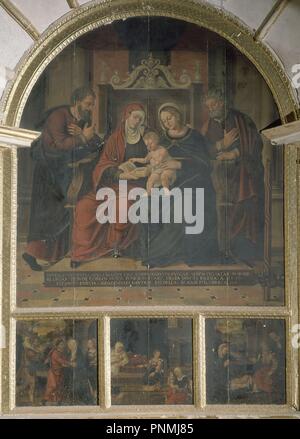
(137, 171)
(127, 167)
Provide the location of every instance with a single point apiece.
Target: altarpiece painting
(149, 249)
(151, 103)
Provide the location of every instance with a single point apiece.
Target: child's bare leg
(167, 177)
(165, 180)
(174, 164)
(152, 180)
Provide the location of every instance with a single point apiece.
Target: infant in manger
(161, 169)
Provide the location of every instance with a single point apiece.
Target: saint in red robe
(90, 239)
(49, 226)
(244, 188)
(55, 378)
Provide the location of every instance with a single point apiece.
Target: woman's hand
(230, 137)
(172, 164)
(231, 155)
(137, 160)
(175, 164)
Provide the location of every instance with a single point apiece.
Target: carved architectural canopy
(151, 74)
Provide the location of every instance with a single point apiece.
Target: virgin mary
(168, 243)
(90, 239)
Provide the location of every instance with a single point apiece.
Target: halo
(169, 104)
(172, 105)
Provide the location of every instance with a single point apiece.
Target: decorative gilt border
(291, 253)
(96, 14)
(2, 327)
(6, 177)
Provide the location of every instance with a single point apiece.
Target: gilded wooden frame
(50, 44)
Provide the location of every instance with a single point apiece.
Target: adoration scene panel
(151, 361)
(150, 182)
(245, 361)
(56, 363)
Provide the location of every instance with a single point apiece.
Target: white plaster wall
(251, 12)
(42, 13)
(14, 41)
(284, 36)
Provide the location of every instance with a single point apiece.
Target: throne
(152, 84)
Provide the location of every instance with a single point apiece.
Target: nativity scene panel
(151, 361)
(245, 361)
(176, 111)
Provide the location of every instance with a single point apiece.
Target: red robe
(55, 379)
(55, 137)
(90, 239)
(245, 183)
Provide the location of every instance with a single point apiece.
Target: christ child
(162, 167)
